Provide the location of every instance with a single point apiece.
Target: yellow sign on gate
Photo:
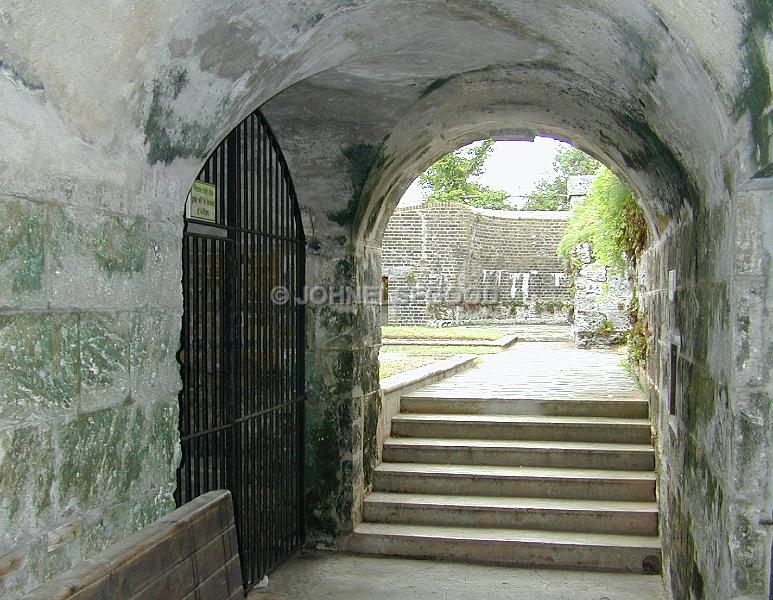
(203, 202)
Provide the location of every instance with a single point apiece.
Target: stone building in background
(577, 187)
(456, 264)
(451, 263)
(601, 302)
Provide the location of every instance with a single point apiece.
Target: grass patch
(399, 359)
(419, 332)
(393, 366)
(441, 351)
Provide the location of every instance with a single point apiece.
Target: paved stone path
(542, 333)
(556, 370)
(337, 576)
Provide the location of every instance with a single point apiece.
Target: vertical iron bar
(199, 378)
(283, 368)
(266, 351)
(300, 351)
(209, 480)
(271, 356)
(250, 345)
(229, 324)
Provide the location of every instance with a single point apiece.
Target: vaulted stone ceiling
(623, 79)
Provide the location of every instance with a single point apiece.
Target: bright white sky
(515, 167)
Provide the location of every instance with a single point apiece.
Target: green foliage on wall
(448, 180)
(610, 221)
(606, 329)
(638, 334)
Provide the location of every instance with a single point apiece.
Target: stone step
(522, 427)
(629, 408)
(529, 482)
(521, 453)
(593, 516)
(518, 547)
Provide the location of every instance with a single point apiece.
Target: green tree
(449, 179)
(550, 193)
(610, 221)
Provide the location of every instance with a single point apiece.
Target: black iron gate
(241, 406)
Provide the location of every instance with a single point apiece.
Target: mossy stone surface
(125, 518)
(26, 478)
(170, 134)
(330, 440)
(756, 97)
(22, 231)
(102, 456)
(163, 446)
(154, 338)
(360, 159)
(39, 366)
(104, 359)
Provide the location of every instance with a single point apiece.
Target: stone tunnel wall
(460, 264)
(711, 425)
(89, 327)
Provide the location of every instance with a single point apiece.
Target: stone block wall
(711, 417)
(602, 298)
(343, 393)
(89, 327)
(601, 303)
(694, 455)
(453, 262)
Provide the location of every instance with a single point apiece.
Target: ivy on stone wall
(612, 224)
(638, 334)
(610, 221)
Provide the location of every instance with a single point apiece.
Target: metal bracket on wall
(206, 230)
(672, 285)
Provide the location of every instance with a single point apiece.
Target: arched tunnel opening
(107, 127)
(489, 235)
(492, 104)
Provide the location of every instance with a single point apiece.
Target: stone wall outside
(456, 263)
(602, 299)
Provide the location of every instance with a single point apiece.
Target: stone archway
(108, 119)
(684, 191)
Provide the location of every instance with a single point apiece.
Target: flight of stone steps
(538, 483)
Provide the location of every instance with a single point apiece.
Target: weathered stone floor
(338, 576)
(542, 333)
(557, 370)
